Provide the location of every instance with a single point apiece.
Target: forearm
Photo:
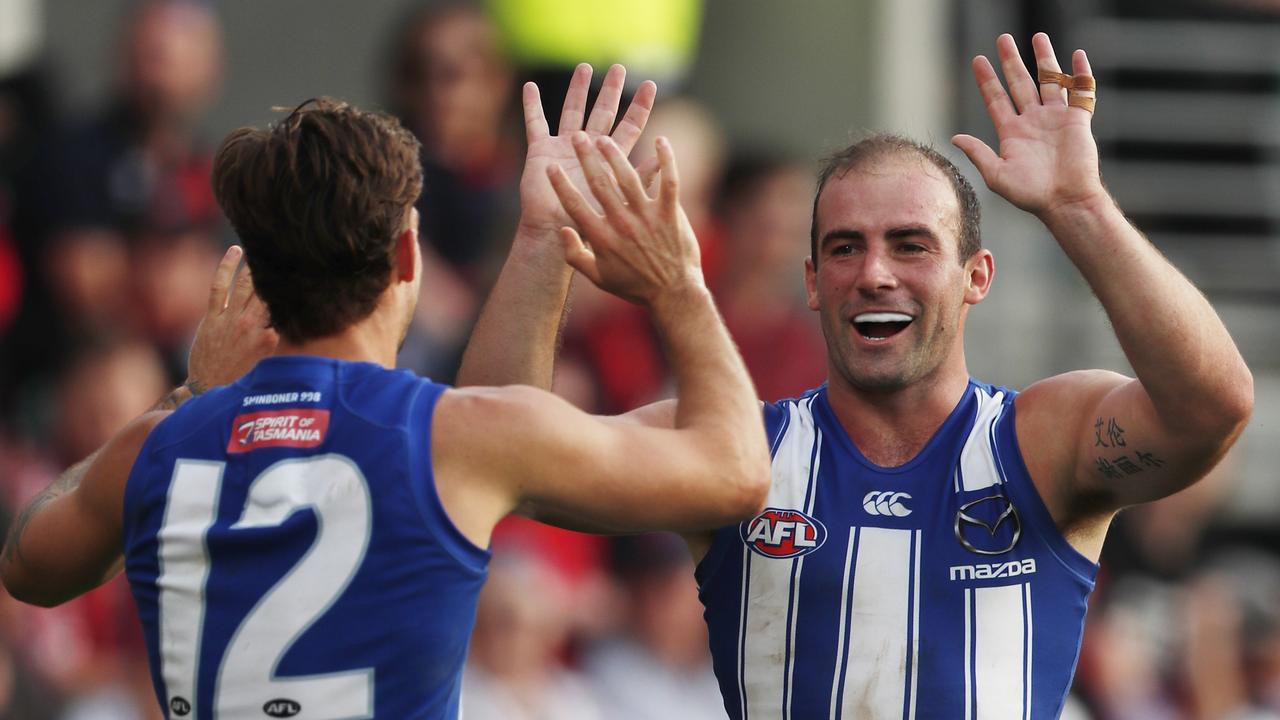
(714, 391)
(13, 558)
(35, 564)
(517, 335)
(1178, 346)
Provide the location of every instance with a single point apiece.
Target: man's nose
(877, 271)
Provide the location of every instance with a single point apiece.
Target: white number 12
(246, 682)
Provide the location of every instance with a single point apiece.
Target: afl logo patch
(281, 708)
(778, 533)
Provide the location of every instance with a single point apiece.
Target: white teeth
(882, 317)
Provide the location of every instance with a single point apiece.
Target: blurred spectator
(1231, 658)
(1165, 539)
(1122, 670)
(90, 650)
(514, 670)
(452, 88)
(659, 666)
(138, 171)
(765, 211)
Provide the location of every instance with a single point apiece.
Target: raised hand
(234, 333)
(642, 246)
(541, 211)
(1048, 158)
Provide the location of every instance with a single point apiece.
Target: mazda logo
(988, 526)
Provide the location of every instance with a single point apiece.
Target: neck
(892, 427)
(367, 341)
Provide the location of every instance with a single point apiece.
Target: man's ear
(811, 283)
(407, 250)
(981, 270)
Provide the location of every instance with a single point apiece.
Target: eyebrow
(893, 234)
(911, 230)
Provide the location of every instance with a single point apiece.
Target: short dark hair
(882, 145)
(318, 200)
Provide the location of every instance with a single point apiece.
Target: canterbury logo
(886, 504)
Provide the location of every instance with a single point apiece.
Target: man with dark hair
(930, 541)
(310, 539)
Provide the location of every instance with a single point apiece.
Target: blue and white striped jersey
(937, 589)
(290, 556)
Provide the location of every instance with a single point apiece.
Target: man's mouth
(881, 325)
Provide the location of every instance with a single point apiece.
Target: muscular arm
(542, 455)
(1096, 441)
(1136, 440)
(610, 474)
(67, 540)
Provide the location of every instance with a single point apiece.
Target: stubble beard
(884, 375)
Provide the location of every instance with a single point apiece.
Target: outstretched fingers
(1050, 93)
(636, 117)
(669, 184)
(627, 177)
(1080, 66)
(1080, 63)
(243, 291)
(1022, 87)
(605, 111)
(599, 179)
(222, 278)
(999, 108)
(575, 100)
(575, 204)
(535, 121)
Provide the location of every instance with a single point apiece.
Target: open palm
(541, 211)
(1048, 158)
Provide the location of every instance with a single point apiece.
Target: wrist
(1089, 206)
(679, 297)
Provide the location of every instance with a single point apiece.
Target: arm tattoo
(1119, 466)
(66, 482)
(70, 480)
(179, 395)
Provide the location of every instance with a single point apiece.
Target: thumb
(578, 256)
(979, 153)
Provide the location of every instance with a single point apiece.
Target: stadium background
(106, 239)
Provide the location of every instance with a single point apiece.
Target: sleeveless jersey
(289, 554)
(937, 589)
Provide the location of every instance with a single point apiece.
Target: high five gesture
(540, 210)
(1048, 158)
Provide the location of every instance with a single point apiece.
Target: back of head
(318, 200)
(883, 146)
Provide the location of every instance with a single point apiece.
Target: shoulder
(1045, 407)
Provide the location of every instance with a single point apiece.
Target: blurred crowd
(108, 236)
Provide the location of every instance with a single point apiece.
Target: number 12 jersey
(289, 554)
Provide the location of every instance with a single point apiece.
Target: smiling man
(930, 541)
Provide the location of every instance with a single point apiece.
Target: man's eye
(845, 249)
(912, 248)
